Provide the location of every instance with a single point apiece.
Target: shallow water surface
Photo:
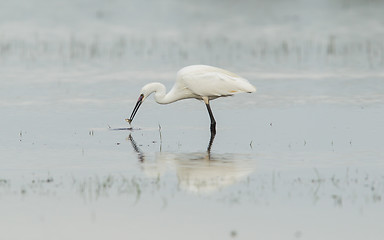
(273, 167)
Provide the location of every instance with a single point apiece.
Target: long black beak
(139, 101)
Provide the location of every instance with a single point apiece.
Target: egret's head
(144, 93)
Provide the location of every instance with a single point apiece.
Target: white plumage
(212, 82)
(197, 81)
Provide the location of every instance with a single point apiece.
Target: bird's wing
(215, 84)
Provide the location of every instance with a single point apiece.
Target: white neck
(160, 93)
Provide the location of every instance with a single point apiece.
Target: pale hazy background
(302, 158)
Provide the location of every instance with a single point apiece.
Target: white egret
(201, 82)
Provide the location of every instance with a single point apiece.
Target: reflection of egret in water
(200, 172)
(140, 154)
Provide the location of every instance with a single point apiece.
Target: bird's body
(200, 82)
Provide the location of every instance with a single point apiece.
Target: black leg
(213, 134)
(213, 122)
